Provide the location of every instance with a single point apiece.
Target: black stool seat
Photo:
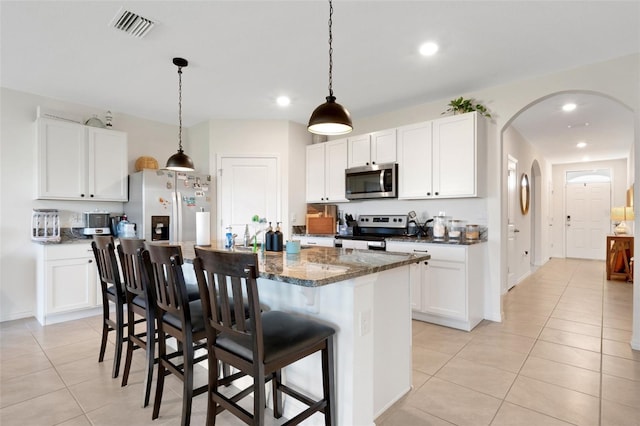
(282, 334)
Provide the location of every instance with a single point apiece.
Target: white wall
(278, 138)
(518, 147)
(17, 186)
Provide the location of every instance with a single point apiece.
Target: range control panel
(382, 221)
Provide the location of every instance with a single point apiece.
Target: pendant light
(180, 162)
(330, 118)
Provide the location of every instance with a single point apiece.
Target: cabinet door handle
(90, 261)
(436, 193)
(91, 195)
(373, 162)
(82, 195)
(428, 193)
(426, 263)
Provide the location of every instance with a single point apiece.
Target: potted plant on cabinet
(461, 105)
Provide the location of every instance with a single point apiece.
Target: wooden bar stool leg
(277, 395)
(328, 381)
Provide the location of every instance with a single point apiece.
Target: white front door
(587, 219)
(247, 186)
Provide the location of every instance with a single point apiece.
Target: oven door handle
(377, 245)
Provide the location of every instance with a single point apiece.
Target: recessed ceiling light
(585, 158)
(283, 101)
(568, 107)
(429, 48)
(581, 144)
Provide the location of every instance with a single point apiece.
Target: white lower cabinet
(67, 283)
(448, 289)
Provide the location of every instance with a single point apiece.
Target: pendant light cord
(330, 48)
(180, 109)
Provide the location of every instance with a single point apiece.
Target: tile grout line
(537, 338)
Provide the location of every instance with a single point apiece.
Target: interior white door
(511, 225)
(247, 186)
(587, 219)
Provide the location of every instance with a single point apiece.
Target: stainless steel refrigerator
(163, 203)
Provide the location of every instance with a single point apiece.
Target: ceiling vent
(132, 23)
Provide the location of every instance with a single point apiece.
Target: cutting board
(321, 225)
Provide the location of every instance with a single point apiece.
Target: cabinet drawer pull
(311, 243)
(420, 251)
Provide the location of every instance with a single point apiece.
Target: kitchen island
(365, 296)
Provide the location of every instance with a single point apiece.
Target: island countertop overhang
(319, 266)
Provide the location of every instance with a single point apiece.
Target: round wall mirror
(524, 194)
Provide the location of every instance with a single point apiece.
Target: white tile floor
(561, 356)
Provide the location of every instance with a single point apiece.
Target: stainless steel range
(372, 231)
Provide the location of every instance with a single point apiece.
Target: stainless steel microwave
(375, 181)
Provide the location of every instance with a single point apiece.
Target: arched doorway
(544, 228)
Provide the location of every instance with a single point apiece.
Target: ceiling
(244, 54)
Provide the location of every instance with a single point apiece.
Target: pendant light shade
(180, 162)
(330, 118)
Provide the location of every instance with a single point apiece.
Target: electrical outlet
(365, 322)
(76, 220)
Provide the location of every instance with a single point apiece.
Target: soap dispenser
(268, 238)
(277, 239)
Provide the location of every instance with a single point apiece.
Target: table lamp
(621, 215)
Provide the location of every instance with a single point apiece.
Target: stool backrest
(224, 280)
(163, 264)
(107, 264)
(129, 251)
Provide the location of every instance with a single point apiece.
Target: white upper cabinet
(107, 172)
(414, 161)
(455, 154)
(373, 148)
(326, 163)
(439, 158)
(77, 162)
(61, 159)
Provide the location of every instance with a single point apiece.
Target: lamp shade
(628, 213)
(619, 214)
(180, 162)
(330, 118)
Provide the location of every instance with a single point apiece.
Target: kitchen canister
(457, 229)
(472, 232)
(440, 227)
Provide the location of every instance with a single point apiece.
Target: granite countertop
(430, 240)
(406, 239)
(318, 266)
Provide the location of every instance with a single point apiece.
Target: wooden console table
(619, 255)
